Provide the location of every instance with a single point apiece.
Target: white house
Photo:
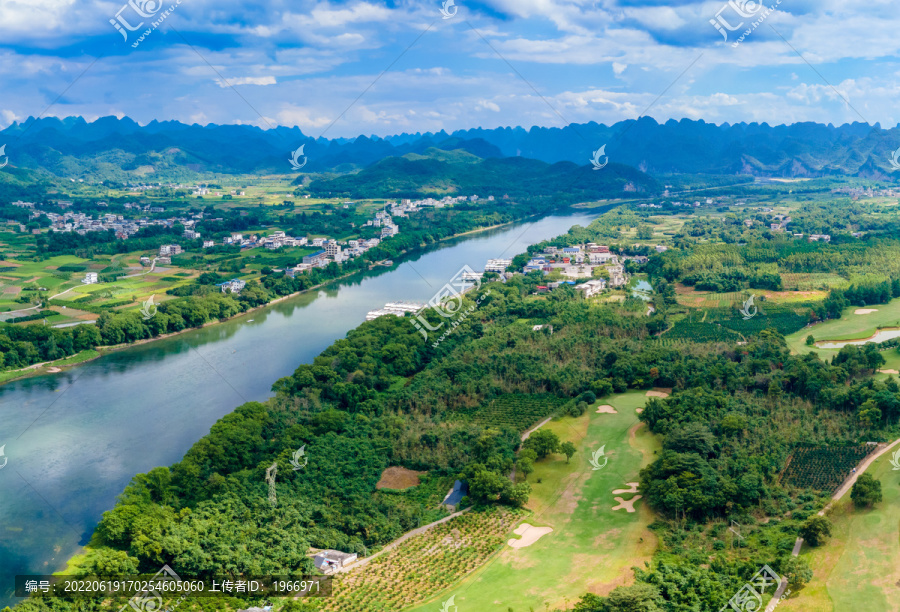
(592, 287)
(169, 249)
(235, 285)
(90, 278)
(602, 258)
(497, 265)
(330, 561)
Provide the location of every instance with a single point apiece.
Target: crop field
(822, 468)
(728, 324)
(811, 282)
(518, 411)
(861, 561)
(423, 565)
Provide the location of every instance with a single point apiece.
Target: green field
(850, 327)
(859, 568)
(591, 547)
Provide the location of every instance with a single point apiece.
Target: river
(75, 439)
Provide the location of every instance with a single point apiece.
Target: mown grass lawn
(591, 548)
(850, 326)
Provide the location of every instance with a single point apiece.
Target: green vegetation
(822, 468)
(517, 411)
(461, 173)
(738, 443)
(866, 491)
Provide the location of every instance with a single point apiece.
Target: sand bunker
(639, 410)
(628, 506)
(655, 393)
(530, 535)
(53, 370)
(633, 489)
(865, 310)
(606, 409)
(889, 371)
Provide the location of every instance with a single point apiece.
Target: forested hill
(121, 149)
(441, 173)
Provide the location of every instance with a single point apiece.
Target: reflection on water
(75, 439)
(880, 336)
(643, 290)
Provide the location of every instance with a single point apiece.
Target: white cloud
(233, 81)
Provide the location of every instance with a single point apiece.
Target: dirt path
(634, 428)
(52, 297)
(152, 267)
(535, 428)
(842, 490)
(852, 479)
(400, 541)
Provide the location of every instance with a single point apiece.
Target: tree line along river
(74, 440)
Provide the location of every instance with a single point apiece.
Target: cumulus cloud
(361, 66)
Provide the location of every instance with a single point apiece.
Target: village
(589, 269)
(330, 250)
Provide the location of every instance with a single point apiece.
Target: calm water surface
(75, 439)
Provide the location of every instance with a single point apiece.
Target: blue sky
(318, 65)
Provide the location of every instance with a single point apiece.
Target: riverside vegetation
(384, 396)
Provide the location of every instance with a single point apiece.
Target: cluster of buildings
(82, 223)
(780, 223)
(856, 193)
(386, 223)
(579, 262)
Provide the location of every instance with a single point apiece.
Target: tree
(797, 572)
(692, 438)
(869, 413)
(108, 562)
(816, 530)
(568, 449)
(644, 232)
(866, 491)
(810, 340)
(640, 597)
(526, 466)
(543, 442)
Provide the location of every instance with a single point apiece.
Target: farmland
(822, 468)
(518, 411)
(424, 565)
(592, 547)
(728, 324)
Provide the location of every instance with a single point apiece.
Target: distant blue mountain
(121, 149)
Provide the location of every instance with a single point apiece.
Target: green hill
(440, 173)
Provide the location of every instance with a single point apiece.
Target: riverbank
(146, 407)
(57, 366)
(54, 367)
